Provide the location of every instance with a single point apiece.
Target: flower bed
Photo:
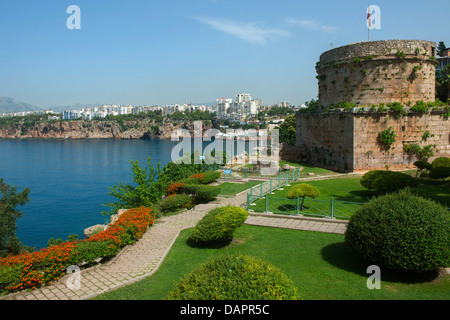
(35, 269)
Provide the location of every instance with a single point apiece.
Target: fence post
(251, 194)
(332, 207)
(267, 203)
(245, 173)
(297, 207)
(248, 200)
(261, 194)
(270, 185)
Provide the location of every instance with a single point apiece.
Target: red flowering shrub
(198, 176)
(174, 188)
(31, 270)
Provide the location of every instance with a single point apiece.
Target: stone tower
(368, 73)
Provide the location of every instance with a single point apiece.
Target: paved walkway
(143, 258)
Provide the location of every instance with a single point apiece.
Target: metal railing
(259, 191)
(309, 207)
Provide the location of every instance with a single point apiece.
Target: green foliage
(218, 224)
(400, 55)
(10, 275)
(356, 60)
(440, 173)
(441, 162)
(387, 137)
(235, 277)
(420, 107)
(201, 193)
(88, 251)
(287, 131)
(173, 203)
(397, 108)
(9, 242)
(401, 232)
(423, 153)
(422, 166)
(210, 176)
(369, 177)
(384, 181)
(146, 190)
(303, 190)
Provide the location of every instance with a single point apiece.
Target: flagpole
(368, 17)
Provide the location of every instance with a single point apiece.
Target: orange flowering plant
(174, 188)
(34, 269)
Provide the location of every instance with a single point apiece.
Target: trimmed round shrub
(384, 181)
(303, 190)
(174, 202)
(401, 231)
(440, 173)
(218, 224)
(441, 162)
(235, 277)
(423, 165)
(369, 177)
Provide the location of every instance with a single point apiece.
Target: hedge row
(34, 269)
(384, 181)
(187, 192)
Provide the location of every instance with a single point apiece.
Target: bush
(210, 176)
(369, 177)
(440, 173)
(441, 162)
(201, 193)
(384, 181)
(235, 277)
(303, 190)
(34, 269)
(401, 231)
(174, 202)
(174, 188)
(218, 224)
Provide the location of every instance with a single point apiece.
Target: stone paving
(142, 259)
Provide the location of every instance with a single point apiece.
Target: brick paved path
(143, 258)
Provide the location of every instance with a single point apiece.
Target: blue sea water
(69, 180)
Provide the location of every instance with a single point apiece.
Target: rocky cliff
(79, 129)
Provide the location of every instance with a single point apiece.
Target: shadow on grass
(340, 256)
(218, 244)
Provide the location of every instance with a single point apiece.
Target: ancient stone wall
(375, 72)
(326, 140)
(347, 141)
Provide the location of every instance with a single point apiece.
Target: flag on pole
(369, 21)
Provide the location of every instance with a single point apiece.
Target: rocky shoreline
(94, 129)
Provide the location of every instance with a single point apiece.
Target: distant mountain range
(8, 105)
(12, 105)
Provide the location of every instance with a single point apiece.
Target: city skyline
(174, 52)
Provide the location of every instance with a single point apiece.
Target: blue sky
(175, 51)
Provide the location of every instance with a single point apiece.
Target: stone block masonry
(347, 141)
(377, 72)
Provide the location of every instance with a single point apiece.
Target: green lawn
(320, 265)
(307, 168)
(232, 188)
(350, 189)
